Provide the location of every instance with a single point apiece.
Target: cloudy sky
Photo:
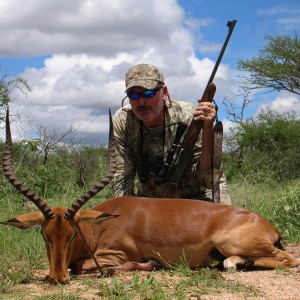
(75, 53)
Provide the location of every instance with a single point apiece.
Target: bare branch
(50, 137)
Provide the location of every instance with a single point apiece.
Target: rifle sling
(217, 160)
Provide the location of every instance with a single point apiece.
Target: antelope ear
(25, 221)
(95, 217)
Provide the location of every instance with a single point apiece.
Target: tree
(7, 85)
(236, 114)
(271, 148)
(88, 163)
(277, 68)
(50, 137)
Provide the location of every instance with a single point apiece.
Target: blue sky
(74, 54)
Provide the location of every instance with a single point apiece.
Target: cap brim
(146, 84)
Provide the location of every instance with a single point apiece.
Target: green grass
(177, 283)
(22, 254)
(166, 285)
(279, 203)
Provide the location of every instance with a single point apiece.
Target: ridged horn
(7, 166)
(112, 166)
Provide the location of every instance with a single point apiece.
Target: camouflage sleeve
(123, 181)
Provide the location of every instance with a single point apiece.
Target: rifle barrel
(231, 25)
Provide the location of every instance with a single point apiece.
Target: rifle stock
(190, 139)
(196, 126)
(187, 148)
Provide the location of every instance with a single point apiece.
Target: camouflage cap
(143, 75)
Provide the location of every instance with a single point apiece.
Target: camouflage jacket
(142, 151)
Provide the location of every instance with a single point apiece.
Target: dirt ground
(283, 284)
(270, 284)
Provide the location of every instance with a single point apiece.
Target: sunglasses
(147, 94)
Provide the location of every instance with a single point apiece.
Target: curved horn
(10, 175)
(79, 202)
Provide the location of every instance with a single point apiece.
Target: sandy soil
(283, 284)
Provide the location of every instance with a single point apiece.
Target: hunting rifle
(174, 171)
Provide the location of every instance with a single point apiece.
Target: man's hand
(206, 110)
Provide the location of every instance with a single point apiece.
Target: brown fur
(167, 232)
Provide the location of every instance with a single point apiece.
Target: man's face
(149, 110)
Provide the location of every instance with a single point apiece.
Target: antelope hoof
(108, 272)
(231, 269)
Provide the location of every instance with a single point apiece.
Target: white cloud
(227, 126)
(89, 46)
(287, 16)
(82, 26)
(285, 102)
